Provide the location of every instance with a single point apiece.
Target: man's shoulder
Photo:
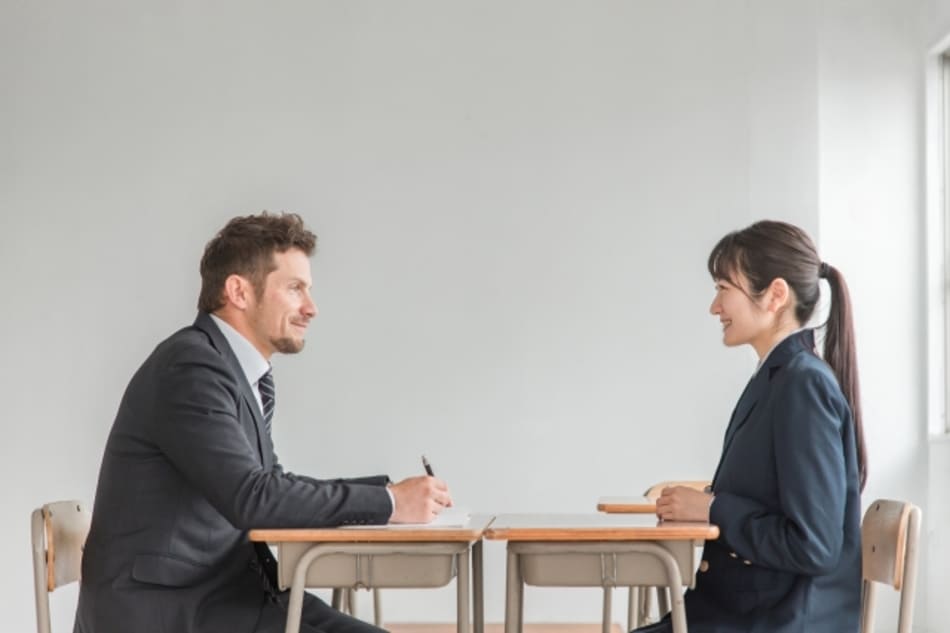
(185, 338)
(189, 344)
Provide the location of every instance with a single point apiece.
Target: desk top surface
(595, 527)
(392, 533)
(626, 505)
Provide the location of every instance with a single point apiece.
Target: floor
(499, 628)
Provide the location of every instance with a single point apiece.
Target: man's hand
(680, 503)
(419, 499)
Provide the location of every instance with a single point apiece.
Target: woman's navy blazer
(787, 503)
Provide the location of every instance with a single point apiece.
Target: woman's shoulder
(806, 371)
(808, 362)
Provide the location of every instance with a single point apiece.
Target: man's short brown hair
(246, 247)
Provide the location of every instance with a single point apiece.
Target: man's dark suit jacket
(187, 470)
(787, 503)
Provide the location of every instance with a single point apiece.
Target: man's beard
(287, 345)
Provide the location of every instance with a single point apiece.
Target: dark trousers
(317, 617)
(663, 626)
(666, 626)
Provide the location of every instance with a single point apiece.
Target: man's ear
(779, 295)
(238, 291)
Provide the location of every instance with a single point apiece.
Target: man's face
(279, 319)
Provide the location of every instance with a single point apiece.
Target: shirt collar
(252, 363)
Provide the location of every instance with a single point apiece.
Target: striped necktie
(266, 387)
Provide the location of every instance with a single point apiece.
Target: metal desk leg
(478, 617)
(674, 584)
(520, 603)
(675, 587)
(462, 589)
(608, 595)
(513, 594)
(337, 600)
(295, 607)
(678, 610)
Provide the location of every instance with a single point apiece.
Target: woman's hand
(680, 503)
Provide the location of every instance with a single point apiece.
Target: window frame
(937, 238)
(942, 424)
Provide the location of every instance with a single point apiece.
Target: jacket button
(747, 562)
(704, 566)
(733, 555)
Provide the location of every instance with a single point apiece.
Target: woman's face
(744, 318)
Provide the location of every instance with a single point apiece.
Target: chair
(640, 601)
(344, 599)
(58, 533)
(889, 547)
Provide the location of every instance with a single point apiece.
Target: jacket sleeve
(370, 480)
(805, 535)
(195, 422)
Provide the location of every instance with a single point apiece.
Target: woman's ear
(779, 295)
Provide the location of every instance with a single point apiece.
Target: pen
(425, 464)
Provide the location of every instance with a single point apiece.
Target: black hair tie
(823, 270)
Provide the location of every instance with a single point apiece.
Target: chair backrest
(58, 533)
(653, 492)
(889, 542)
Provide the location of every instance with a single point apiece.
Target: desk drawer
(419, 567)
(599, 564)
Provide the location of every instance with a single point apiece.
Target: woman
(786, 494)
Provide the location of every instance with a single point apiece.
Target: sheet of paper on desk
(450, 517)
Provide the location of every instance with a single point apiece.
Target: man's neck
(238, 322)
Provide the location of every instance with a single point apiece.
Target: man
(189, 466)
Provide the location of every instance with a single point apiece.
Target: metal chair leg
(633, 604)
(646, 605)
(663, 600)
(377, 609)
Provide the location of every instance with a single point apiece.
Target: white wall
(870, 129)
(514, 200)
(938, 21)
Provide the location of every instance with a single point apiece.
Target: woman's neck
(767, 342)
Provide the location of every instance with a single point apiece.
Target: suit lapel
(747, 401)
(208, 326)
(758, 386)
